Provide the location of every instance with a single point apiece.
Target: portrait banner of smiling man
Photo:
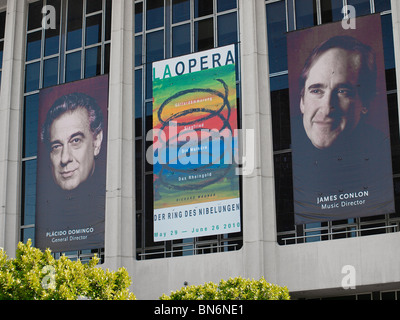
(341, 152)
(71, 165)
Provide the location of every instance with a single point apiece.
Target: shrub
(37, 275)
(232, 289)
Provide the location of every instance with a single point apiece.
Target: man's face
(331, 105)
(73, 148)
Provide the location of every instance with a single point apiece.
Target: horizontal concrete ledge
(341, 292)
(318, 266)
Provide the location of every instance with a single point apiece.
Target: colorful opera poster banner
(71, 165)
(196, 188)
(342, 165)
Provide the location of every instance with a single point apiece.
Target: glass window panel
(291, 20)
(227, 29)
(108, 21)
(306, 14)
(154, 14)
(387, 38)
(362, 6)
(331, 10)
(73, 67)
(181, 40)
(203, 8)
(50, 73)
(223, 5)
(382, 5)
(93, 29)
(138, 50)
(139, 231)
(1, 53)
(28, 233)
(32, 74)
(33, 45)
(396, 187)
(279, 82)
(149, 112)
(138, 102)
(52, 36)
(204, 34)
(92, 62)
(388, 295)
(31, 117)
(281, 119)
(155, 46)
(52, 42)
(139, 17)
(317, 233)
(35, 15)
(93, 5)
(391, 79)
(2, 24)
(138, 180)
(149, 210)
(149, 81)
(106, 58)
(180, 10)
(394, 132)
(284, 191)
(276, 28)
(148, 126)
(29, 192)
(74, 24)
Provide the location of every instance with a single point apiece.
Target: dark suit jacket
(71, 220)
(350, 179)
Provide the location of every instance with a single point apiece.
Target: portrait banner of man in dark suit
(71, 174)
(341, 152)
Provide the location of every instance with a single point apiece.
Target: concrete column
(11, 113)
(120, 208)
(258, 188)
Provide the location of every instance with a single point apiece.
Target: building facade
(122, 38)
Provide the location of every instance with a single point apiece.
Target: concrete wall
(312, 269)
(120, 196)
(11, 108)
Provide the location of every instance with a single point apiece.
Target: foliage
(233, 289)
(37, 275)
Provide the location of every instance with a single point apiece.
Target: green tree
(232, 289)
(37, 275)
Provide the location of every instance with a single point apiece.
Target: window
(164, 29)
(2, 30)
(78, 48)
(376, 295)
(289, 15)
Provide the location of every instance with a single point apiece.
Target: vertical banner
(342, 165)
(71, 165)
(196, 188)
